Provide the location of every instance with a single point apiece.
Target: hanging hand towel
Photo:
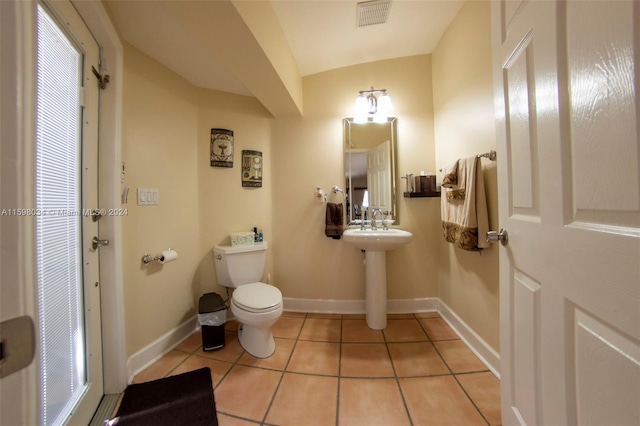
(455, 191)
(465, 220)
(334, 220)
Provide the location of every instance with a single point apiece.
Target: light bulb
(362, 106)
(384, 104)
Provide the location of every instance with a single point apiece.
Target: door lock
(96, 243)
(96, 215)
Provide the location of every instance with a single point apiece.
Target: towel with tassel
(334, 221)
(465, 220)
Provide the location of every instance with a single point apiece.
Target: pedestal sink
(375, 245)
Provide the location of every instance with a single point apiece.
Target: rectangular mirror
(370, 164)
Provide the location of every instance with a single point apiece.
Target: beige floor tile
(194, 362)
(484, 391)
(321, 358)
(231, 326)
(371, 402)
(416, 359)
(321, 330)
(302, 399)
(191, 343)
(459, 357)
(294, 314)
(324, 316)
(438, 401)
(404, 330)
(354, 316)
(287, 327)
(400, 316)
(224, 420)
(247, 392)
(161, 367)
(230, 352)
(357, 331)
(427, 315)
(365, 360)
(277, 361)
(438, 329)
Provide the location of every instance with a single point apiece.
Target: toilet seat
(257, 297)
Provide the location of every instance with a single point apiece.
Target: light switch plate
(148, 197)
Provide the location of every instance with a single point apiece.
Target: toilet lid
(257, 296)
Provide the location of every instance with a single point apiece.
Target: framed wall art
(252, 169)
(221, 148)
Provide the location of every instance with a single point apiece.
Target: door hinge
(102, 79)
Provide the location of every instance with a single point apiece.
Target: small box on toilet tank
(212, 316)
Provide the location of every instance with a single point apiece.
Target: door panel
(604, 145)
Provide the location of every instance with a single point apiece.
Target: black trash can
(212, 315)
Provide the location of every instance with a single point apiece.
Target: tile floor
(334, 370)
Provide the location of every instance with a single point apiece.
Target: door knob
(502, 236)
(95, 243)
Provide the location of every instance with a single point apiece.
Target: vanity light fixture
(370, 105)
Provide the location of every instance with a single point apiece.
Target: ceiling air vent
(373, 12)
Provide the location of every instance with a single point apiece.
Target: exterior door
(69, 327)
(50, 270)
(566, 89)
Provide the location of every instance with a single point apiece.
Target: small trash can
(212, 315)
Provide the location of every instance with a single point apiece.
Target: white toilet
(256, 305)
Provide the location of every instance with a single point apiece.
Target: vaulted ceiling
(263, 48)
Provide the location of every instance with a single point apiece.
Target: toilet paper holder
(162, 257)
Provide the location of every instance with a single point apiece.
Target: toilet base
(256, 341)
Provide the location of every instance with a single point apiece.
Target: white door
(67, 180)
(566, 92)
(55, 273)
(379, 177)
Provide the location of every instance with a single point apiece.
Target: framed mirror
(370, 165)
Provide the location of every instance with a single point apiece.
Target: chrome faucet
(385, 222)
(374, 213)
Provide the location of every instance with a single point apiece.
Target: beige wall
(464, 126)
(159, 149)
(166, 128)
(307, 152)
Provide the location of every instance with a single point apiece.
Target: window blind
(58, 231)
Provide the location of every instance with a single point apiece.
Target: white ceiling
(322, 35)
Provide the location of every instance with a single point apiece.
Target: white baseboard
(478, 346)
(155, 350)
(329, 306)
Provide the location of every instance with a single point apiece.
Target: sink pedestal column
(376, 289)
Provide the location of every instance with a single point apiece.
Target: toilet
(256, 305)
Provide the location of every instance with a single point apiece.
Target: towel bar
(491, 155)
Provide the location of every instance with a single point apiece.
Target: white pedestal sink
(376, 244)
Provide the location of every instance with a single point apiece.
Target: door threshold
(106, 410)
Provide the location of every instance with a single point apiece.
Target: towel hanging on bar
(465, 220)
(334, 220)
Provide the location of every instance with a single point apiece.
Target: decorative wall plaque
(221, 148)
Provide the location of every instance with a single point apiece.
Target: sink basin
(379, 240)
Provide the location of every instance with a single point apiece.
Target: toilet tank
(237, 265)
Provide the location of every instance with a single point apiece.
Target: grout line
(275, 392)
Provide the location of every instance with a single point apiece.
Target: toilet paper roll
(168, 256)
